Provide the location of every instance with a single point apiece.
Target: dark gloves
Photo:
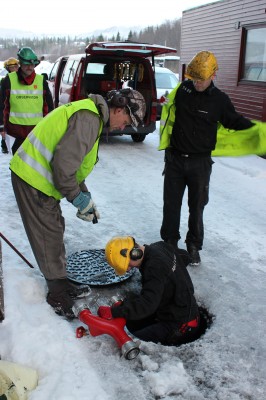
(4, 148)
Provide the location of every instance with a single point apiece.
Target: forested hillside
(167, 34)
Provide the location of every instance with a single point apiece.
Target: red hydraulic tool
(100, 326)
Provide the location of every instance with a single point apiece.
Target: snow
(227, 363)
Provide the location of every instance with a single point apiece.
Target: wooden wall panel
(217, 27)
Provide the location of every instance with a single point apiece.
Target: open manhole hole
(91, 268)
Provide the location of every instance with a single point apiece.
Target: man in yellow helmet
(53, 163)
(11, 65)
(188, 134)
(165, 311)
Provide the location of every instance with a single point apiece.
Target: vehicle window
(72, 72)
(165, 81)
(254, 68)
(95, 68)
(54, 71)
(67, 71)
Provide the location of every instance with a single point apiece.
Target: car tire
(138, 138)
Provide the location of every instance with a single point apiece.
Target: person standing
(25, 98)
(51, 164)
(188, 133)
(11, 65)
(165, 311)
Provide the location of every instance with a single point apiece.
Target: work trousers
(164, 332)
(193, 173)
(44, 225)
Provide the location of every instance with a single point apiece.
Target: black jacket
(197, 117)
(167, 290)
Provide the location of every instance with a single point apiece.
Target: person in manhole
(52, 164)
(166, 310)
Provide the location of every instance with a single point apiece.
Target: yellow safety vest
(230, 143)
(32, 161)
(26, 101)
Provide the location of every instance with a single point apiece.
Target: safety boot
(194, 254)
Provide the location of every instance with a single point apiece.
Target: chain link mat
(91, 268)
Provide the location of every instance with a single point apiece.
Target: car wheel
(138, 138)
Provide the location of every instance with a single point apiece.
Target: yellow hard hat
(117, 252)
(11, 61)
(202, 66)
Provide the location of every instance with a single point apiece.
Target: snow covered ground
(227, 363)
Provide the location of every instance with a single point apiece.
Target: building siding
(217, 27)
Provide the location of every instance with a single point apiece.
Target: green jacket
(229, 142)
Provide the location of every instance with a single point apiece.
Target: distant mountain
(113, 31)
(108, 32)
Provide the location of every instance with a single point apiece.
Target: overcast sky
(73, 18)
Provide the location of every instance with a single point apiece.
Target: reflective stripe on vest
(32, 161)
(26, 101)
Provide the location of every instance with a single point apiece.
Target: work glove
(105, 312)
(86, 207)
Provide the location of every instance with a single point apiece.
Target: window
(70, 71)
(53, 72)
(95, 68)
(255, 54)
(73, 71)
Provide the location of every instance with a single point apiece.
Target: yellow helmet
(202, 66)
(117, 252)
(10, 61)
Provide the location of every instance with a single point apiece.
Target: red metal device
(100, 326)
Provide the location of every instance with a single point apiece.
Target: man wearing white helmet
(53, 163)
(188, 131)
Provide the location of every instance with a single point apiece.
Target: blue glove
(86, 207)
(83, 202)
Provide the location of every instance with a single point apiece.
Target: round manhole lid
(91, 268)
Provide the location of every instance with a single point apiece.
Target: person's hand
(92, 215)
(87, 210)
(83, 201)
(105, 312)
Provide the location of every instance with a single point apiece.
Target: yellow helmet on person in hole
(202, 66)
(117, 252)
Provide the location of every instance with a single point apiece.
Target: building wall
(217, 27)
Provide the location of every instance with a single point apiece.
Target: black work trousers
(165, 332)
(193, 173)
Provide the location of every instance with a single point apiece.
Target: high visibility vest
(26, 101)
(32, 161)
(230, 143)
(167, 119)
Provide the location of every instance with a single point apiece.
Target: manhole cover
(91, 268)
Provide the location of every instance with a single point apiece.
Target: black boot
(59, 298)
(77, 291)
(194, 254)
